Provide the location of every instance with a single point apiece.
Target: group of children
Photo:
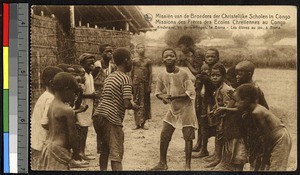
(228, 105)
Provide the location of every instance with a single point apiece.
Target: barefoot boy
(108, 117)
(174, 87)
(39, 116)
(194, 59)
(205, 89)
(273, 135)
(142, 79)
(88, 95)
(221, 98)
(56, 153)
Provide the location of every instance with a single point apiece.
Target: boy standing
(273, 135)
(142, 79)
(89, 94)
(193, 59)
(179, 92)
(221, 99)
(205, 89)
(103, 68)
(39, 116)
(109, 115)
(56, 153)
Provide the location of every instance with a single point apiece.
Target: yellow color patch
(5, 67)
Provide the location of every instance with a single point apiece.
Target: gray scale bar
(23, 97)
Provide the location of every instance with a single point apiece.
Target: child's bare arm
(178, 96)
(81, 109)
(92, 95)
(130, 105)
(164, 97)
(72, 133)
(191, 68)
(222, 110)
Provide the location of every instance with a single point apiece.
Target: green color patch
(5, 110)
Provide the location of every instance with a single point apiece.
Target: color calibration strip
(15, 87)
(22, 63)
(6, 162)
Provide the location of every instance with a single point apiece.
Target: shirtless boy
(62, 129)
(274, 137)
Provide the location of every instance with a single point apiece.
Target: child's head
(185, 43)
(65, 87)
(218, 74)
(106, 51)
(48, 74)
(231, 77)
(87, 62)
(245, 96)
(199, 54)
(65, 67)
(244, 72)
(205, 69)
(140, 49)
(79, 73)
(169, 57)
(211, 56)
(122, 57)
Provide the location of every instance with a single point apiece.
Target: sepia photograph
(163, 88)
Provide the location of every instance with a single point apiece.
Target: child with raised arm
(39, 117)
(221, 98)
(109, 115)
(141, 79)
(63, 136)
(275, 140)
(175, 88)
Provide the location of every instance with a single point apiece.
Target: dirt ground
(142, 146)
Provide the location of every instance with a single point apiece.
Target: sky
(211, 10)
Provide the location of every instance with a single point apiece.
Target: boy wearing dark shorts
(109, 115)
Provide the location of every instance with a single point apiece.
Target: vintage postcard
(163, 88)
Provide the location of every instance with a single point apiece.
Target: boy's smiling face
(169, 58)
(211, 57)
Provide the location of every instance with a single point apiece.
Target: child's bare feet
(160, 167)
(202, 153)
(136, 128)
(187, 168)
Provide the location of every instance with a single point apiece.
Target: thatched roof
(104, 16)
